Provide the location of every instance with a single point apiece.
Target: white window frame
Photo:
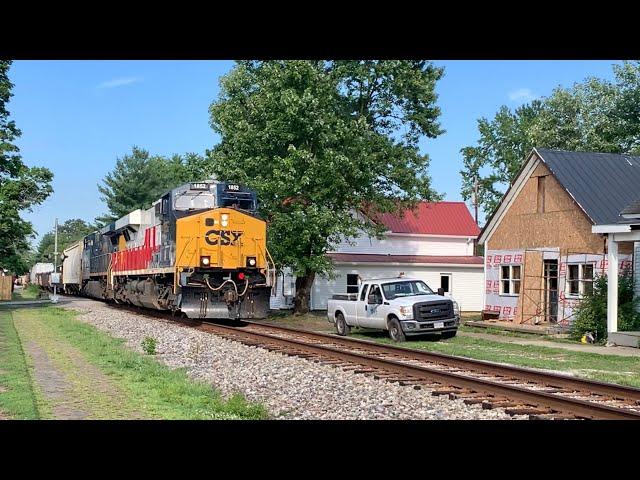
(581, 280)
(511, 281)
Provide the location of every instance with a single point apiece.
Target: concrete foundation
(626, 339)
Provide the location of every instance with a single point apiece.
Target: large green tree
(68, 232)
(595, 115)
(319, 141)
(138, 179)
(21, 187)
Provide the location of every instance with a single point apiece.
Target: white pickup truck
(402, 306)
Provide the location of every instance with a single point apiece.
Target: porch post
(612, 285)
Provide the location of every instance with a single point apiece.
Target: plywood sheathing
(563, 224)
(530, 301)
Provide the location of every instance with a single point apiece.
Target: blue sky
(78, 117)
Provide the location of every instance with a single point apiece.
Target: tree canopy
(594, 115)
(70, 231)
(321, 140)
(21, 187)
(138, 179)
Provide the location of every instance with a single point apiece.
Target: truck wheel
(395, 331)
(341, 325)
(449, 334)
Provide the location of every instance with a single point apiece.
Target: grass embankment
(17, 399)
(596, 366)
(101, 378)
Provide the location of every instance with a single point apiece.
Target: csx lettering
(222, 237)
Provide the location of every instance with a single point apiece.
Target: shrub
(591, 313)
(149, 345)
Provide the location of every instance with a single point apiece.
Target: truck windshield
(405, 289)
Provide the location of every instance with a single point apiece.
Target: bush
(591, 313)
(149, 345)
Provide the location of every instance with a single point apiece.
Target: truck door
(361, 306)
(374, 316)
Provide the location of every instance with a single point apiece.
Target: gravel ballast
(289, 387)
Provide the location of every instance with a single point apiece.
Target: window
(579, 279)
(352, 283)
(445, 281)
(363, 295)
(510, 280)
(375, 290)
(405, 289)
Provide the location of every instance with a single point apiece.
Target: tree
(21, 187)
(139, 179)
(320, 141)
(595, 115)
(69, 232)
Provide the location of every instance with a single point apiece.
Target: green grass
(511, 333)
(30, 292)
(608, 368)
(17, 399)
(152, 389)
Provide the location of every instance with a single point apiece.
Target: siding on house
(466, 282)
(408, 245)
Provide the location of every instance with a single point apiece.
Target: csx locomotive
(200, 249)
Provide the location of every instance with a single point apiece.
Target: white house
(435, 243)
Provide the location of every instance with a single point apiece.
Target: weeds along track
(520, 391)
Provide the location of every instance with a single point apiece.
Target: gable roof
(603, 184)
(433, 218)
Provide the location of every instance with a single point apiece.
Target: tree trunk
(303, 293)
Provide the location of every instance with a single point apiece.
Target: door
(374, 317)
(551, 290)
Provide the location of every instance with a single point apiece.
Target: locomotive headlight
(224, 219)
(251, 261)
(204, 261)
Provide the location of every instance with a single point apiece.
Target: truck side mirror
(441, 292)
(373, 299)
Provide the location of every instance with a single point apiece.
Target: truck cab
(402, 306)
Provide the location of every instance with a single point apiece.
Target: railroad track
(520, 391)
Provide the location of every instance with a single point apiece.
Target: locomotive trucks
(402, 306)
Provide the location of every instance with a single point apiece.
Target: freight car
(200, 250)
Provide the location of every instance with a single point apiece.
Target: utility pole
(55, 263)
(474, 198)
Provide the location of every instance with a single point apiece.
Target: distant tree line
(594, 115)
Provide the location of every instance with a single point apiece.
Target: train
(200, 251)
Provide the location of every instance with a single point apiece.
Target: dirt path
(620, 351)
(68, 387)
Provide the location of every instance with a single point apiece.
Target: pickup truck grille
(430, 311)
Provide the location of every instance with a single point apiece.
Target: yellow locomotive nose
(220, 238)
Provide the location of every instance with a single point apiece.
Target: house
(542, 244)
(434, 243)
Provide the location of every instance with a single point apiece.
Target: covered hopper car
(200, 249)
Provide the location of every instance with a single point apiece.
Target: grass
(608, 368)
(30, 292)
(151, 390)
(17, 398)
(511, 333)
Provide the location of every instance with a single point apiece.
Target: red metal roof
(438, 218)
(381, 258)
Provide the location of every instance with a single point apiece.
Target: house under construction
(541, 256)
